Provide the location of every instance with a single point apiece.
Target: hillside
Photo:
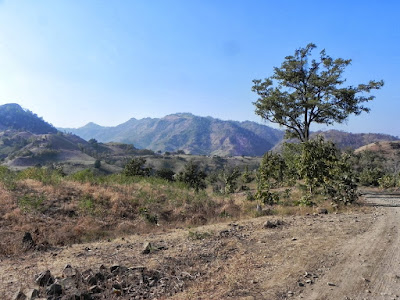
(346, 140)
(193, 134)
(13, 116)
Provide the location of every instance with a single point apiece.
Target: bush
(387, 181)
(193, 176)
(166, 174)
(136, 168)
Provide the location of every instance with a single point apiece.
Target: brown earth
(349, 255)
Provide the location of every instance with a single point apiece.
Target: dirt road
(369, 267)
(353, 254)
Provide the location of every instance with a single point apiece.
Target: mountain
(187, 132)
(346, 140)
(13, 116)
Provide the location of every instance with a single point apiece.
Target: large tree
(306, 90)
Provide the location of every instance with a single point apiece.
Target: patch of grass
(8, 178)
(29, 203)
(86, 204)
(196, 235)
(44, 175)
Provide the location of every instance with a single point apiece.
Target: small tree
(302, 92)
(166, 174)
(230, 180)
(97, 164)
(193, 176)
(136, 168)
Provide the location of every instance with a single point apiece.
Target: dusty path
(369, 265)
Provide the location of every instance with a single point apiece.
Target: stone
(54, 290)
(19, 295)
(69, 271)
(32, 294)
(323, 211)
(95, 289)
(27, 241)
(331, 284)
(44, 278)
(147, 247)
(92, 280)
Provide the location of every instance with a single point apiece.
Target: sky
(73, 61)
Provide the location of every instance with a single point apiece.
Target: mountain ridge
(188, 132)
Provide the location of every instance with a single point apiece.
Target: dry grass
(61, 211)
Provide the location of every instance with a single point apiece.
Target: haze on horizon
(75, 62)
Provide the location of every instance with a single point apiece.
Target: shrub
(136, 168)
(193, 176)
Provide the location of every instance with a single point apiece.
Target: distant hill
(13, 116)
(346, 140)
(388, 149)
(187, 132)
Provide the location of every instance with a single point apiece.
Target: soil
(353, 254)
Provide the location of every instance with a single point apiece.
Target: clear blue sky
(75, 61)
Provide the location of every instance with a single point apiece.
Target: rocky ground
(349, 255)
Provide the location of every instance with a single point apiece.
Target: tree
(136, 168)
(193, 176)
(302, 92)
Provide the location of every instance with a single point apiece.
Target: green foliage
(247, 176)
(370, 177)
(8, 178)
(151, 218)
(230, 180)
(29, 203)
(272, 169)
(136, 168)
(87, 204)
(317, 160)
(44, 175)
(388, 181)
(306, 200)
(305, 91)
(86, 175)
(193, 176)
(166, 174)
(97, 164)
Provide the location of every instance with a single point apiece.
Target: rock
(32, 294)
(273, 224)
(300, 284)
(117, 292)
(95, 289)
(99, 276)
(54, 290)
(91, 280)
(294, 239)
(68, 283)
(323, 211)
(69, 271)
(269, 224)
(19, 295)
(331, 284)
(44, 279)
(27, 241)
(147, 247)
